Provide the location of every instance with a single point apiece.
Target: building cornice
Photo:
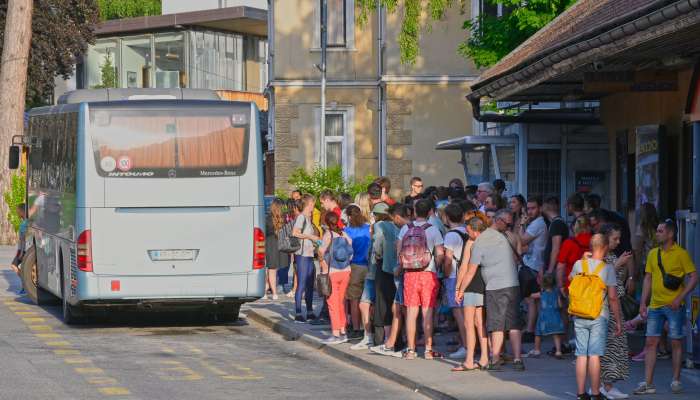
(387, 79)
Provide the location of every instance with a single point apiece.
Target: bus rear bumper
(178, 289)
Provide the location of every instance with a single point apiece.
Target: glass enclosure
(195, 58)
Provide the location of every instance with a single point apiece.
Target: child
(20, 246)
(549, 322)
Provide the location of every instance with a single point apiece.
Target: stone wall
(285, 141)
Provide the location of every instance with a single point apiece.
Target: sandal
(494, 367)
(409, 354)
(431, 355)
(558, 356)
(464, 368)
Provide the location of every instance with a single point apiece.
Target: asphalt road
(157, 356)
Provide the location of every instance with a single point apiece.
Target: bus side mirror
(14, 157)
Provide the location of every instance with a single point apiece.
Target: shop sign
(587, 180)
(647, 173)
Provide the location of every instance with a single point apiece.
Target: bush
(14, 197)
(321, 179)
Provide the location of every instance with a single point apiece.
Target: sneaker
(583, 396)
(363, 344)
(663, 355)
(356, 334)
(643, 388)
(310, 316)
(385, 351)
(613, 393)
(299, 319)
(333, 340)
(532, 354)
(291, 294)
(676, 387)
(639, 357)
(275, 297)
(518, 365)
(320, 321)
(21, 292)
(460, 353)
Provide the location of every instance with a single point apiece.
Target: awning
(233, 19)
(466, 141)
(593, 46)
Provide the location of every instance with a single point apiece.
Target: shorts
(398, 299)
(450, 285)
(591, 336)
(357, 282)
(369, 295)
(472, 299)
(420, 289)
(676, 322)
(502, 308)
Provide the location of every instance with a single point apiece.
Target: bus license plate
(172, 255)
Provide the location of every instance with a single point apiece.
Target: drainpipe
(696, 186)
(270, 74)
(322, 67)
(381, 86)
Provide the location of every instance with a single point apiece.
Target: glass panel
(543, 173)
(506, 163)
(334, 154)
(101, 65)
(172, 142)
(335, 125)
(336, 23)
(216, 61)
(170, 63)
(136, 62)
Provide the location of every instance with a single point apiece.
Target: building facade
(383, 117)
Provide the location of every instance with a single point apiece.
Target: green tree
(15, 196)
(320, 179)
(118, 9)
(108, 72)
(491, 37)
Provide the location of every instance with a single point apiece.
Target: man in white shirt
(454, 244)
(421, 286)
(535, 238)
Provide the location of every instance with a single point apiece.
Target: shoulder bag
(671, 282)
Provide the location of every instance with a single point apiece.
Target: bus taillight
(84, 259)
(258, 249)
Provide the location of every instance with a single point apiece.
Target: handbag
(630, 307)
(671, 282)
(323, 285)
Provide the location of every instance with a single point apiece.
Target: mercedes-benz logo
(172, 173)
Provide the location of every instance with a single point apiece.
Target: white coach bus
(146, 198)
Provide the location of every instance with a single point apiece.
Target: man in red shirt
(330, 204)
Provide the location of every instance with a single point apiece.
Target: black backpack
(286, 242)
(464, 242)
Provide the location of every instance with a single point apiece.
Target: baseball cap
(380, 208)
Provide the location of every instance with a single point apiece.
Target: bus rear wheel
(229, 313)
(72, 315)
(30, 280)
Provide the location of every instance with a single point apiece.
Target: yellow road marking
(168, 350)
(114, 391)
(213, 369)
(61, 343)
(48, 335)
(26, 313)
(171, 362)
(77, 360)
(30, 320)
(241, 378)
(40, 327)
(102, 380)
(66, 352)
(89, 370)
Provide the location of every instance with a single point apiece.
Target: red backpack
(414, 254)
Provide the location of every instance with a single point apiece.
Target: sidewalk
(544, 378)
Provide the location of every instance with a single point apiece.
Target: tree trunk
(13, 84)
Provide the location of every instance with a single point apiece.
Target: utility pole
(322, 68)
(13, 86)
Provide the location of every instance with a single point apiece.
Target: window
(101, 64)
(340, 25)
(333, 139)
(336, 23)
(216, 60)
(336, 146)
(543, 173)
(170, 63)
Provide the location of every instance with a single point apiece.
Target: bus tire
(72, 315)
(30, 280)
(230, 313)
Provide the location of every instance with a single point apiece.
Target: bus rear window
(170, 143)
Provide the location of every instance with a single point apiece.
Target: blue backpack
(339, 254)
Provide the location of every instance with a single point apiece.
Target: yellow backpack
(586, 292)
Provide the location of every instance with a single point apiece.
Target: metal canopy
(466, 141)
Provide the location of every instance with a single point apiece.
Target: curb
(291, 334)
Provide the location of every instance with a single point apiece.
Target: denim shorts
(450, 285)
(676, 322)
(472, 299)
(591, 336)
(368, 293)
(398, 299)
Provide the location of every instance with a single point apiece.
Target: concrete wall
(296, 40)
(439, 41)
(179, 6)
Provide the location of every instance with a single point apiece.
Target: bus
(145, 198)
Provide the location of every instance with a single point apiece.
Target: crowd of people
(496, 268)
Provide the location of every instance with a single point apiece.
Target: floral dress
(615, 364)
